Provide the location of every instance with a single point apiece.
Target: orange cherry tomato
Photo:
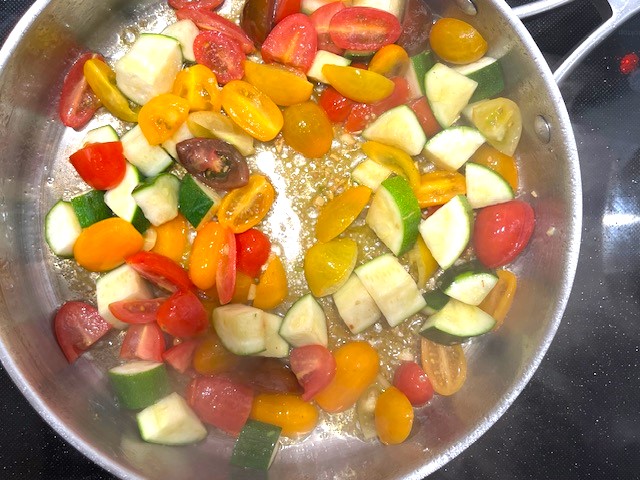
(391, 61)
(245, 207)
(438, 187)
(341, 211)
(252, 110)
(242, 288)
(172, 238)
(499, 162)
(393, 416)
(285, 86)
(500, 298)
(206, 254)
(104, 245)
(289, 412)
(456, 41)
(199, 86)
(210, 357)
(307, 129)
(446, 366)
(358, 84)
(357, 366)
(162, 116)
(272, 287)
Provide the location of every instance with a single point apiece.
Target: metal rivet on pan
(467, 6)
(542, 129)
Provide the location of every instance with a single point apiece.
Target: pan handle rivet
(467, 6)
(542, 129)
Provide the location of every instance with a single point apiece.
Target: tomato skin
(428, 122)
(364, 28)
(182, 315)
(295, 416)
(162, 116)
(101, 165)
(208, 20)
(226, 273)
(221, 53)
(210, 357)
(180, 356)
(272, 287)
(456, 41)
(411, 380)
(502, 231)
(161, 271)
(307, 129)
(205, 4)
(321, 19)
(102, 80)
(136, 311)
(336, 105)
(78, 103)
(199, 86)
(314, 367)
(292, 42)
(220, 402)
(77, 326)
(145, 342)
(340, 212)
(205, 255)
(393, 416)
(252, 251)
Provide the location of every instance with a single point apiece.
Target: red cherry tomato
(226, 273)
(321, 20)
(265, 375)
(136, 311)
(252, 251)
(221, 402)
(221, 53)
(284, 8)
(78, 103)
(180, 356)
(416, 25)
(101, 165)
(77, 326)
(161, 271)
(411, 380)
(145, 342)
(204, 4)
(364, 28)
(207, 20)
(182, 315)
(314, 366)
(502, 231)
(362, 114)
(336, 105)
(292, 42)
(427, 120)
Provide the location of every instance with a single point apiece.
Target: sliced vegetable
(307, 129)
(355, 306)
(104, 134)
(101, 165)
(256, 446)
(182, 315)
(136, 311)
(240, 328)
(446, 366)
(448, 93)
(340, 212)
(208, 20)
(364, 28)
(196, 201)
(456, 41)
(395, 159)
(285, 86)
(289, 412)
(252, 251)
(438, 187)
(77, 326)
(336, 105)
(305, 323)
(451, 148)
(102, 80)
(220, 53)
(362, 114)
(144, 342)
(170, 421)
(62, 229)
(120, 200)
(292, 42)
(272, 287)
(149, 159)
(323, 58)
(245, 207)
(456, 322)
(358, 84)
(391, 61)
(427, 120)
(423, 260)
(498, 302)
(205, 254)
(417, 20)
(162, 116)
(314, 367)
(275, 345)
(469, 283)
(504, 165)
(488, 73)
(217, 125)
(485, 187)
(399, 128)
(327, 266)
(171, 239)
(499, 120)
(226, 274)
(411, 380)
(140, 383)
(121, 284)
(210, 357)
(370, 173)
(77, 103)
(185, 31)
(158, 198)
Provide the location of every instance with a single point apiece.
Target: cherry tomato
(221, 53)
(497, 161)
(498, 302)
(398, 161)
(445, 366)
(199, 86)
(416, 25)
(327, 266)
(226, 273)
(210, 357)
(307, 129)
(321, 19)
(455, 41)
(204, 4)
(102, 80)
(252, 110)
(78, 103)
(144, 342)
(336, 105)
(411, 380)
(364, 28)
(284, 8)
(180, 356)
(172, 239)
(502, 231)
(340, 212)
(500, 121)
(272, 287)
(214, 162)
(211, 21)
(182, 315)
(295, 416)
(252, 251)
(314, 367)
(285, 86)
(438, 187)
(266, 375)
(220, 402)
(162, 116)
(393, 416)
(161, 271)
(357, 366)
(77, 326)
(244, 284)
(257, 19)
(358, 84)
(428, 122)
(292, 42)
(391, 61)
(361, 114)
(243, 208)
(101, 165)
(136, 311)
(205, 255)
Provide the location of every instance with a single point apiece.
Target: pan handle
(621, 11)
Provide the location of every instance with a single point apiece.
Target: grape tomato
(364, 28)
(292, 42)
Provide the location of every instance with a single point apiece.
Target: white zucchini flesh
(485, 186)
(170, 421)
(151, 160)
(241, 328)
(451, 148)
(305, 323)
(185, 31)
(398, 127)
(158, 199)
(62, 229)
(123, 283)
(394, 7)
(457, 322)
(104, 134)
(356, 306)
(448, 92)
(119, 198)
(275, 345)
(370, 173)
(183, 133)
(471, 288)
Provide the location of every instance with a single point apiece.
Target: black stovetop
(578, 417)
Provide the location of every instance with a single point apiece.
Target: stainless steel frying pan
(76, 400)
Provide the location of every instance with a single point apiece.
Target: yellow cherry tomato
(102, 80)
(307, 129)
(438, 187)
(497, 161)
(327, 266)
(242, 288)
(206, 253)
(391, 61)
(210, 357)
(358, 84)
(357, 366)
(455, 41)
(446, 366)
(398, 161)
(285, 86)
(500, 121)
(422, 258)
(393, 416)
(172, 238)
(341, 211)
(252, 110)
(199, 86)
(289, 412)
(245, 207)
(162, 116)
(500, 298)
(272, 286)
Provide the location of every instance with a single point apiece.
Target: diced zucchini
(448, 92)
(305, 323)
(196, 201)
(321, 59)
(183, 133)
(256, 446)
(140, 383)
(241, 328)
(120, 200)
(485, 186)
(398, 127)
(158, 198)
(185, 31)
(275, 345)
(62, 229)
(365, 411)
(488, 73)
(90, 208)
(210, 124)
(170, 421)
(469, 283)
(151, 160)
(370, 173)
(356, 307)
(418, 68)
(436, 300)
(456, 323)
(104, 134)
(122, 283)
(451, 148)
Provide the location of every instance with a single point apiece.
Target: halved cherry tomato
(394, 159)
(428, 122)
(445, 366)
(416, 25)
(307, 129)
(136, 311)
(327, 266)
(144, 342)
(272, 287)
(266, 375)
(220, 402)
(252, 110)
(205, 255)
(252, 251)
(497, 161)
(438, 187)
(205, 4)
(104, 245)
(500, 121)
(393, 416)
(77, 326)
(101, 165)
(257, 19)
(362, 114)
(162, 116)
(358, 84)
(78, 103)
(226, 273)
(292, 42)
(364, 28)
(321, 19)
(498, 302)
(210, 357)
(502, 231)
(161, 271)
(244, 284)
(295, 416)
(391, 61)
(102, 80)
(411, 380)
(285, 86)
(284, 8)
(243, 208)
(217, 125)
(456, 41)
(340, 212)
(221, 53)
(336, 105)
(314, 367)
(199, 86)
(182, 315)
(208, 20)
(172, 239)
(180, 356)
(422, 258)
